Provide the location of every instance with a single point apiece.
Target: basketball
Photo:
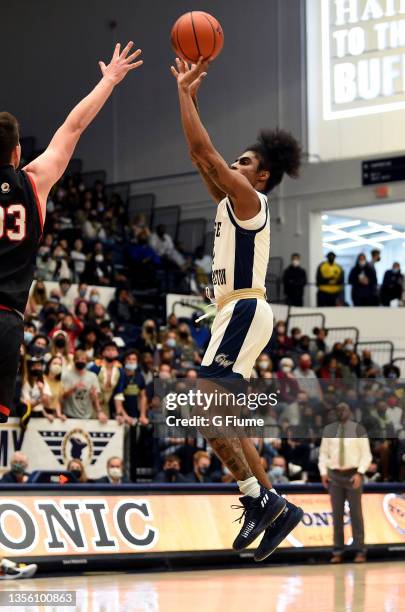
(197, 34)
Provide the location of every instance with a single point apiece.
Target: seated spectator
(201, 467)
(368, 367)
(306, 377)
(66, 293)
(35, 393)
(292, 413)
(78, 259)
(81, 391)
(29, 332)
(76, 467)
(146, 367)
(278, 471)
(352, 371)
(18, 469)
(187, 348)
(97, 314)
(53, 378)
(123, 309)
(263, 365)
(37, 298)
(394, 413)
(391, 288)
(287, 383)
(82, 311)
(171, 471)
(361, 279)
(110, 378)
(39, 347)
(330, 369)
(163, 245)
(115, 472)
(133, 408)
(147, 341)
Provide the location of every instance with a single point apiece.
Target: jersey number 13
(18, 232)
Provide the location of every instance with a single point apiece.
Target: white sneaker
(9, 570)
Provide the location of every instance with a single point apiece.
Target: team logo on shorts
(5, 187)
(223, 360)
(394, 509)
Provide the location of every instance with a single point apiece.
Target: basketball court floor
(373, 587)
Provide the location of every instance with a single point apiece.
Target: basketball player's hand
(325, 481)
(190, 78)
(121, 63)
(356, 481)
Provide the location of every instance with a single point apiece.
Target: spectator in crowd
(368, 367)
(81, 395)
(110, 378)
(278, 471)
(66, 293)
(35, 392)
(187, 347)
(53, 378)
(123, 309)
(89, 341)
(29, 332)
(147, 341)
(287, 383)
(391, 288)
(375, 259)
(293, 411)
(72, 327)
(115, 472)
(294, 281)
(38, 298)
(76, 467)
(60, 347)
(171, 472)
(330, 281)
(133, 408)
(318, 343)
(82, 311)
(18, 469)
(361, 278)
(263, 365)
(201, 467)
(202, 266)
(395, 413)
(78, 259)
(306, 377)
(344, 458)
(163, 245)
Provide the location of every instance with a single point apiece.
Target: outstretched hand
(121, 63)
(190, 78)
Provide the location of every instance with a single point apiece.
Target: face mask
(286, 369)
(263, 364)
(277, 470)
(76, 473)
(164, 376)
(80, 365)
(203, 470)
(28, 336)
(18, 468)
(82, 292)
(349, 347)
(295, 263)
(183, 334)
(40, 351)
(110, 359)
(396, 270)
(36, 373)
(99, 258)
(115, 473)
(94, 299)
(131, 367)
(331, 260)
(170, 472)
(60, 343)
(150, 329)
(171, 342)
(55, 369)
(305, 366)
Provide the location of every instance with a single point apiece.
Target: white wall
(50, 52)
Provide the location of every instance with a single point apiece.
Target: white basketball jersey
(241, 249)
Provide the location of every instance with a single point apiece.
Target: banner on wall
(51, 446)
(82, 523)
(11, 439)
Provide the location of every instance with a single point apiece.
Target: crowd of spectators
(330, 282)
(84, 358)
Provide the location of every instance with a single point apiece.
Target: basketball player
(23, 196)
(244, 320)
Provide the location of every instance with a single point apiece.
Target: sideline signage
(388, 170)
